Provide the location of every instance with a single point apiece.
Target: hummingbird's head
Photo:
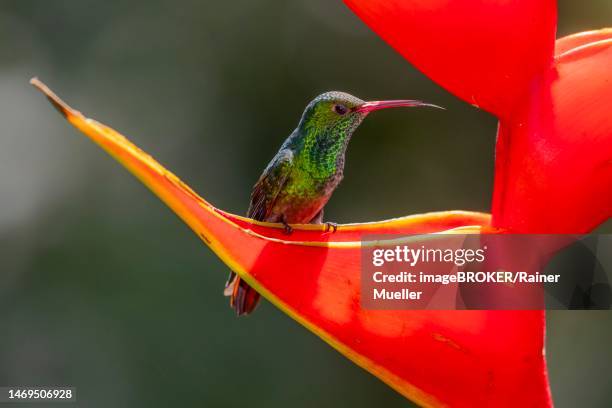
(329, 121)
(341, 113)
(333, 110)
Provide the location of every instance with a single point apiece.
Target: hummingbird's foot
(331, 225)
(288, 229)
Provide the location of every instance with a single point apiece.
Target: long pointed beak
(376, 105)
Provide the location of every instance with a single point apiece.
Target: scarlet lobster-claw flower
(553, 164)
(553, 172)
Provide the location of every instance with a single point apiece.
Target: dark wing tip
(55, 100)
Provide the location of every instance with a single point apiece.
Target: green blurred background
(102, 288)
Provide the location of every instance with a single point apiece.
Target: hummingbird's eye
(340, 109)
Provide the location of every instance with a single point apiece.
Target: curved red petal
(460, 359)
(486, 52)
(554, 156)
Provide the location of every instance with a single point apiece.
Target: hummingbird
(300, 179)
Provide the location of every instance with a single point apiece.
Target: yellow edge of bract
(103, 135)
(365, 226)
(581, 48)
(605, 30)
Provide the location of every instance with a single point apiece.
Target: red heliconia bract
(553, 168)
(485, 52)
(554, 153)
(553, 173)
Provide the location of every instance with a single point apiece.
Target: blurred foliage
(102, 288)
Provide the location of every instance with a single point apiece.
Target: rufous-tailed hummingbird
(301, 178)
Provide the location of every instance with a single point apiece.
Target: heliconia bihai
(553, 173)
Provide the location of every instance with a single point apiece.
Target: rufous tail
(243, 298)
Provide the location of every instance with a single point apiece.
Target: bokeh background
(102, 288)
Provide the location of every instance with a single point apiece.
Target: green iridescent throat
(324, 141)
